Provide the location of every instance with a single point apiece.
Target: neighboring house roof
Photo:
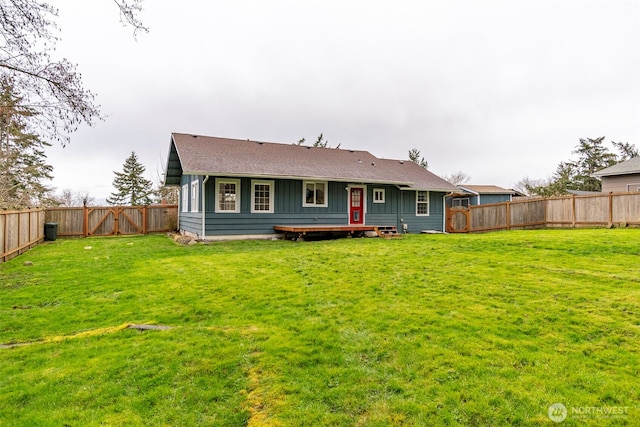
(485, 189)
(623, 168)
(583, 192)
(204, 155)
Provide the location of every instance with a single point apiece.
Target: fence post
(85, 221)
(144, 220)
(573, 211)
(508, 215)
(610, 209)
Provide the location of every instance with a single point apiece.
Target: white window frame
(378, 195)
(195, 195)
(238, 199)
(630, 187)
(271, 185)
(185, 198)
(314, 204)
(418, 203)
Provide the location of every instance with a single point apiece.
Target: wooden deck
(300, 231)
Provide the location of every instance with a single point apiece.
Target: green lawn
(487, 329)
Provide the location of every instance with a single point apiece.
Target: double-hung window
(315, 194)
(194, 195)
(262, 196)
(227, 195)
(378, 195)
(422, 203)
(185, 198)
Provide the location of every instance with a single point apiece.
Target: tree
(131, 187)
(626, 150)
(69, 198)
(457, 178)
(578, 174)
(593, 157)
(320, 142)
(414, 156)
(53, 89)
(23, 169)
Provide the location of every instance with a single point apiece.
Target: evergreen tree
(131, 187)
(22, 158)
(414, 156)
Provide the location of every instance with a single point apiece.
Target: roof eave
(297, 177)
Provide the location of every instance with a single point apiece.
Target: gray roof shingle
(623, 168)
(204, 155)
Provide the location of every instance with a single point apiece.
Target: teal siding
(190, 221)
(399, 208)
(486, 199)
(287, 209)
(415, 223)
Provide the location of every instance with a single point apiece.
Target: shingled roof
(623, 168)
(205, 155)
(485, 189)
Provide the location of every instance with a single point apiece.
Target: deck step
(387, 231)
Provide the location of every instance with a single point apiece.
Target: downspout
(400, 219)
(204, 208)
(444, 211)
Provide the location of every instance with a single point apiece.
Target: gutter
(204, 209)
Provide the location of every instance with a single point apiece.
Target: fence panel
(489, 217)
(20, 231)
(69, 220)
(625, 208)
(592, 210)
(113, 220)
(570, 211)
(527, 214)
(559, 212)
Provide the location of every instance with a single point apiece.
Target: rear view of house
(231, 188)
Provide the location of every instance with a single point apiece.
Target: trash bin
(50, 231)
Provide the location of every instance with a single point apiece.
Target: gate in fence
(458, 219)
(113, 220)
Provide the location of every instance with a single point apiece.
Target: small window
(194, 196)
(228, 195)
(185, 198)
(461, 203)
(262, 197)
(378, 195)
(315, 194)
(422, 203)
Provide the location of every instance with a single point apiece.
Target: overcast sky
(497, 89)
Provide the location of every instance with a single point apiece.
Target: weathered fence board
(570, 211)
(20, 231)
(113, 220)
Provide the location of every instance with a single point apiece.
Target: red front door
(356, 205)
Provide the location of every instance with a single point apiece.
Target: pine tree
(131, 187)
(22, 158)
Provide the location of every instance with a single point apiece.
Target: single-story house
(621, 177)
(232, 188)
(471, 195)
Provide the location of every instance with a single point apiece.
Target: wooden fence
(113, 220)
(621, 209)
(21, 230)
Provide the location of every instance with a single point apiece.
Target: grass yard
(430, 330)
